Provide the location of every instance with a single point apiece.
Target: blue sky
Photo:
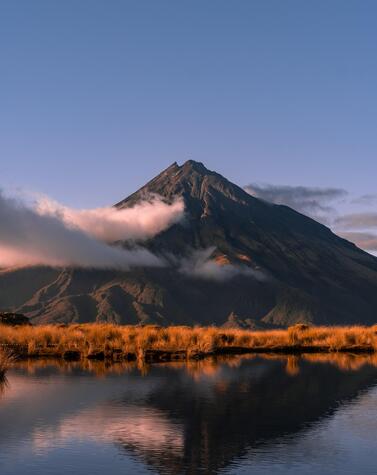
(97, 97)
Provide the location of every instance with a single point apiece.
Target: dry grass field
(153, 343)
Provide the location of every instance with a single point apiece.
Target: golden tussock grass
(129, 342)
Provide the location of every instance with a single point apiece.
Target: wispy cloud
(324, 205)
(367, 241)
(365, 200)
(360, 228)
(311, 201)
(200, 264)
(357, 220)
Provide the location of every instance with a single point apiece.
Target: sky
(99, 96)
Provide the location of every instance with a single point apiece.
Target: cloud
(199, 264)
(39, 237)
(310, 201)
(365, 200)
(136, 426)
(357, 220)
(358, 228)
(320, 204)
(367, 241)
(110, 224)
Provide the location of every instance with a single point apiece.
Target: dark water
(246, 415)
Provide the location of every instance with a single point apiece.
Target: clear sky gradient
(97, 97)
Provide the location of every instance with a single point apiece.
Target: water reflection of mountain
(178, 420)
(253, 404)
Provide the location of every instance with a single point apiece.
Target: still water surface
(243, 415)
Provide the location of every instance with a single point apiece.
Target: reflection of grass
(3, 383)
(204, 368)
(114, 342)
(6, 358)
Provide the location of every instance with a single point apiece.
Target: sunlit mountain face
(198, 418)
(228, 257)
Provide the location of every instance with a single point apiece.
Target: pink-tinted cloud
(110, 224)
(36, 237)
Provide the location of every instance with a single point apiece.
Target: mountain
(234, 260)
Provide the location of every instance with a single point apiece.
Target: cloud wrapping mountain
(201, 265)
(110, 224)
(62, 237)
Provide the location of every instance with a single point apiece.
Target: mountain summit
(236, 260)
(192, 181)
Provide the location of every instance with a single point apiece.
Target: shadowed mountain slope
(246, 262)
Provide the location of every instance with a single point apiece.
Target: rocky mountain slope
(233, 259)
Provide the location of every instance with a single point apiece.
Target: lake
(238, 415)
